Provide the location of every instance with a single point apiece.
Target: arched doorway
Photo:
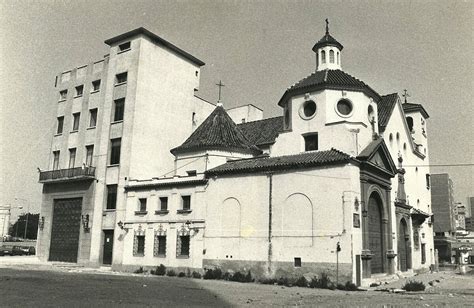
(403, 247)
(376, 234)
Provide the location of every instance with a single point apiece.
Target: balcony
(67, 175)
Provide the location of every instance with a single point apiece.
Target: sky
(257, 48)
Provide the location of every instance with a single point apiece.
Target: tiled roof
(217, 132)
(329, 79)
(303, 160)
(409, 107)
(385, 108)
(327, 40)
(262, 132)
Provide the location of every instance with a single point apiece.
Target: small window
(124, 46)
(243, 120)
(287, 117)
(423, 253)
(337, 58)
(390, 138)
(428, 182)
(115, 151)
(297, 262)
(331, 56)
(121, 78)
(323, 57)
(62, 95)
(93, 117)
(163, 203)
(55, 160)
(308, 110)
(191, 172)
(89, 154)
(160, 246)
(60, 125)
(404, 146)
(96, 85)
(119, 106)
(72, 158)
(183, 246)
(197, 73)
(370, 113)
(311, 142)
(75, 123)
(344, 107)
(410, 123)
(79, 90)
(186, 200)
(142, 205)
(111, 197)
(139, 246)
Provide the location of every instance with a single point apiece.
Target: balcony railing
(80, 173)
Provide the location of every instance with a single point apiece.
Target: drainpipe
(270, 191)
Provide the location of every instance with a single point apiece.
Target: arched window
(331, 56)
(370, 113)
(410, 123)
(390, 138)
(323, 57)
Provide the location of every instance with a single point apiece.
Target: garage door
(65, 230)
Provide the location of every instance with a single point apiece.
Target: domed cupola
(328, 52)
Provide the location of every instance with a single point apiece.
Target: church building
(339, 183)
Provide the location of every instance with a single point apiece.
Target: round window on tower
(344, 108)
(308, 110)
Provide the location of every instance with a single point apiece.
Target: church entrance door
(403, 247)
(375, 234)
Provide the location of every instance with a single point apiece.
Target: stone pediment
(377, 155)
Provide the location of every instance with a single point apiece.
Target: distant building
(444, 211)
(460, 216)
(4, 220)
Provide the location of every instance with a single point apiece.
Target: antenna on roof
(405, 95)
(327, 26)
(220, 85)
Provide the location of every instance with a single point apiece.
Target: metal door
(108, 246)
(65, 230)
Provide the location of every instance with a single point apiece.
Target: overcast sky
(258, 49)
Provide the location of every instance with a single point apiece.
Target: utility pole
(27, 215)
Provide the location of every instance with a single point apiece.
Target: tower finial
(405, 95)
(220, 85)
(327, 26)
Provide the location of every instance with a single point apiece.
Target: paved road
(60, 288)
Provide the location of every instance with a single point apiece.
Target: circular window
(308, 110)
(344, 107)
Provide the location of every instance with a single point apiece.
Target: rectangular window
(163, 203)
(311, 142)
(111, 197)
(89, 154)
(96, 85)
(139, 245)
(428, 182)
(75, 122)
(183, 246)
(121, 78)
(186, 202)
(297, 262)
(115, 151)
(93, 117)
(124, 46)
(72, 157)
(119, 106)
(55, 160)
(423, 253)
(142, 202)
(160, 246)
(79, 90)
(60, 125)
(62, 95)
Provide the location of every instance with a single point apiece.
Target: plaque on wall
(356, 220)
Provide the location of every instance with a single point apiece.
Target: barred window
(183, 243)
(139, 246)
(159, 249)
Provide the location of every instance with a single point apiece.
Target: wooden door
(108, 246)
(375, 235)
(402, 246)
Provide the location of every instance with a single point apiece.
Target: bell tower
(328, 52)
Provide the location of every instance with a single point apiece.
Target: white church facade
(339, 180)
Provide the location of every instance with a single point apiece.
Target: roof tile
(385, 109)
(262, 132)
